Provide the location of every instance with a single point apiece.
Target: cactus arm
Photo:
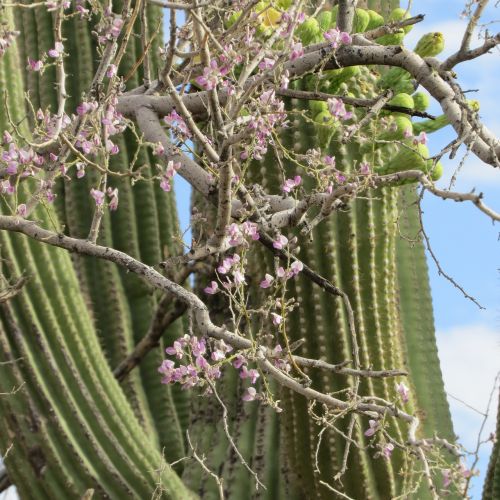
(491, 488)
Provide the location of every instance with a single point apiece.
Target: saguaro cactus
(71, 426)
(74, 428)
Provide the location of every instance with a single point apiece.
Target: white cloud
(470, 361)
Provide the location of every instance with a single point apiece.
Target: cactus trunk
(71, 426)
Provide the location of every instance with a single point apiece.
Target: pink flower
(387, 450)
(57, 50)
(211, 75)
(6, 187)
(292, 183)
(277, 319)
(177, 123)
(446, 473)
(239, 361)
(337, 109)
(266, 283)
(373, 428)
(176, 350)
(266, 63)
(297, 51)
(407, 133)
(420, 139)
(250, 229)
(7, 138)
(198, 346)
(250, 394)
(465, 471)
(336, 37)
(280, 272)
(280, 242)
(98, 196)
(111, 71)
(285, 80)
(252, 374)
(212, 289)
(80, 170)
(295, 268)
(239, 277)
(22, 210)
(403, 392)
(364, 168)
(116, 27)
(113, 195)
(86, 107)
(34, 65)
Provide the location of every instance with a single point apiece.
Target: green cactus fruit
(324, 20)
(430, 45)
(308, 31)
(429, 126)
(361, 21)
(409, 157)
(317, 107)
(421, 101)
(336, 77)
(400, 14)
(335, 12)
(376, 20)
(325, 126)
(397, 79)
(473, 104)
(284, 4)
(232, 19)
(436, 171)
(393, 39)
(404, 100)
(399, 126)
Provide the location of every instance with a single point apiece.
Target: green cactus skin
(142, 227)
(71, 424)
(491, 489)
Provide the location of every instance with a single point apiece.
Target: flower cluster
(112, 27)
(200, 361)
(178, 125)
(6, 40)
(19, 162)
(337, 109)
(99, 197)
(269, 114)
(212, 75)
(196, 368)
(292, 183)
(166, 178)
(238, 233)
(88, 139)
(282, 274)
(337, 37)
